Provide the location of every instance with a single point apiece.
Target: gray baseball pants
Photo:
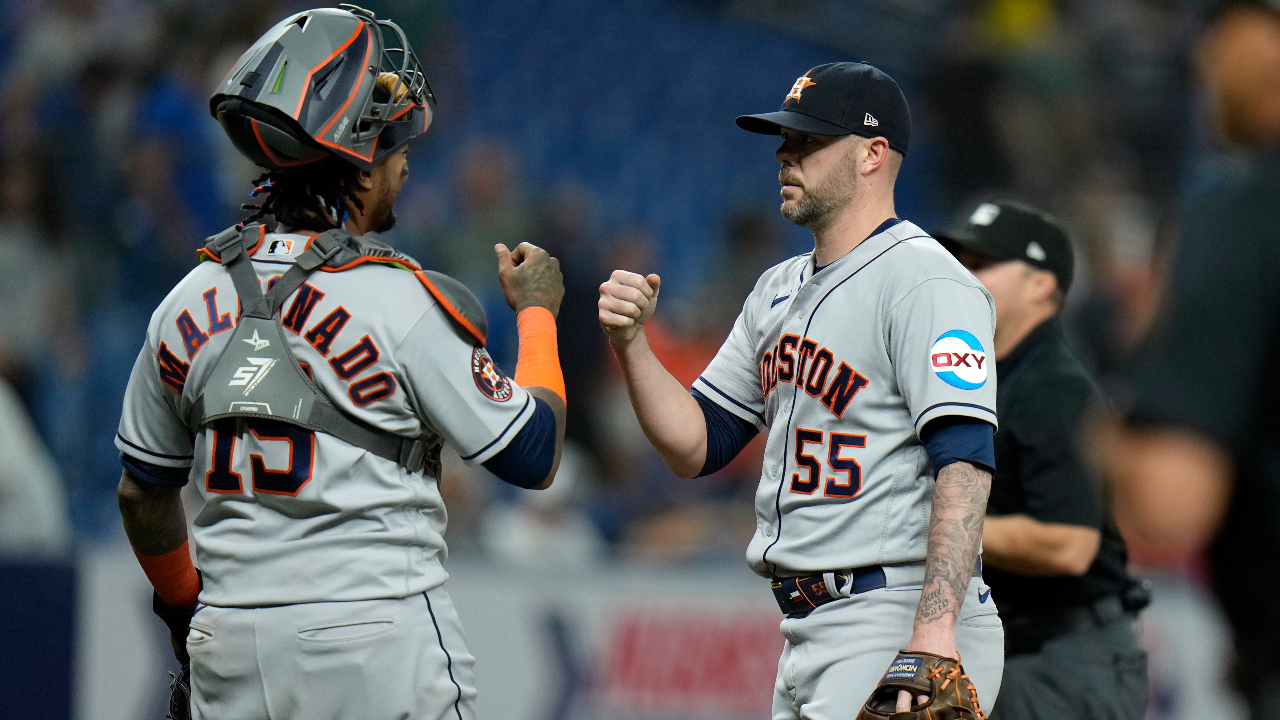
(365, 660)
(834, 657)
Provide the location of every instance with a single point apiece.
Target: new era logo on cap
(1035, 252)
(870, 121)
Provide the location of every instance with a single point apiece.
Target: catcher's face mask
(325, 82)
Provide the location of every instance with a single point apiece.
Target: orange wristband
(539, 360)
(173, 576)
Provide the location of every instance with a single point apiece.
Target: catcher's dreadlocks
(308, 198)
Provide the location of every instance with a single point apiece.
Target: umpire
(1051, 551)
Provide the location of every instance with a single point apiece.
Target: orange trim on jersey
(448, 307)
(307, 80)
(173, 576)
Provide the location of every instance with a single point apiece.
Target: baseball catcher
(305, 377)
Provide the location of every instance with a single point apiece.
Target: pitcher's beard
(809, 209)
(820, 201)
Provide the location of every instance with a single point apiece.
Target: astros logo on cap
(799, 87)
(959, 360)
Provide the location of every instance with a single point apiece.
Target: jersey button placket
(804, 298)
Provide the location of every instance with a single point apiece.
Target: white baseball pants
(366, 660)
(834, 657)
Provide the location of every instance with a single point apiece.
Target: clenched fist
(529, 276)
(627, 300)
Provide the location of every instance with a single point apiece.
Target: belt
(799, 596)
(1027, 633)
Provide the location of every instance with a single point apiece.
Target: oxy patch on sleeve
(903, 669)
(959, 360)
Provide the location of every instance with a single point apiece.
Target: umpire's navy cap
(1009, 229)
(847, 98)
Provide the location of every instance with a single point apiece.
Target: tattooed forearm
(955, 529)
(933, 604)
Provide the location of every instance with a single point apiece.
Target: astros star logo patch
(802, 83)
(489, 379)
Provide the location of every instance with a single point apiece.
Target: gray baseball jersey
(843, 368)
(292, 516)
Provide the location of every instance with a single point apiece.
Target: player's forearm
(955, 529)
(558, 408)
(157, 530)
(1026, 546)
(153, 517)
(538, 371)
(668, 414)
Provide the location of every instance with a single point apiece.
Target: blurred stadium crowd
(600, 131)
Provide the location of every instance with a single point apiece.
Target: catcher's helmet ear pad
(266, 135)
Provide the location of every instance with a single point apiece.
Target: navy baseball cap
(847, 98)
(1007, 229)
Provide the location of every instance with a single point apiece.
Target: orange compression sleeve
(173, 576)
(539, 360)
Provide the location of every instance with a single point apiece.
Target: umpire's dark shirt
(1212, 364)
(1043, 391)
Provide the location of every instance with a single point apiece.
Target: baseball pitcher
(867, 364)
(305, 378)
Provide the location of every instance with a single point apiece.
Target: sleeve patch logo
(903, 669)
(959, 360)
(488, 377)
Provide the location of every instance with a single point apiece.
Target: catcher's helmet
(324, 82)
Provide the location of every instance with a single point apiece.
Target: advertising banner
(640, 644)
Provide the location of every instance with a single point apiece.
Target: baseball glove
(948, 693)
(180, 695)
(178, 620)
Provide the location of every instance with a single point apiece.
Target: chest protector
(257, 377)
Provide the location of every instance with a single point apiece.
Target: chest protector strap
(257, 377)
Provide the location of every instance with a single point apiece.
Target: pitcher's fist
(627, 301)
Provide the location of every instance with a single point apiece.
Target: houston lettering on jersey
(801, 361)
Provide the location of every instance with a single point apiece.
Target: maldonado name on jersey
(291, 515)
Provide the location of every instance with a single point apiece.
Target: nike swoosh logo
(982, 596)
(778, 300)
